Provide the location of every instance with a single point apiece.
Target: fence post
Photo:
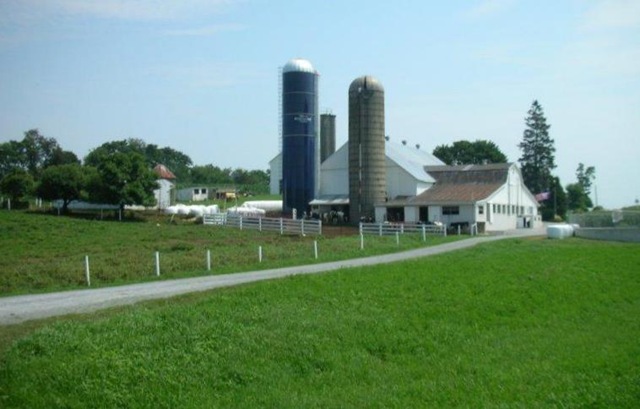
(315, 248)
(208, 260)
(424, 233)
(86, 271)
(302, 226)
(240, 222)
(458, 230)
(360, 228)
(380, 229)
(402, 228)
(259, 223)
(319, 227)
(444, 230)
(361, 241)
(158, 263)
(397, 239)
(281, 226)
(260, 254)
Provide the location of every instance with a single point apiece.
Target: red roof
(163, 172)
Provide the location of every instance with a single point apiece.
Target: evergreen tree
(538, 151)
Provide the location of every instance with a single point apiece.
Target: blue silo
(300, 152)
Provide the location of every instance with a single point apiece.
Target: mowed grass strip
(515, 323)
(41, 252)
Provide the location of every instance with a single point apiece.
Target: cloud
(206, 31)
(114, 9)
(488, 8)
(607, 14)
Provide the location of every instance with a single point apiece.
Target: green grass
(515, 323)
(42, 252)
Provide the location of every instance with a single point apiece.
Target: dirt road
(22, 308)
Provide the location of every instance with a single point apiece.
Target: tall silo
(367, 178)
(300, 153)
(327, 135)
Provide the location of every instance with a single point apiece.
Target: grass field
(42, 252)
(516, 323)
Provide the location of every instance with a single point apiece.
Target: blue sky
(201, 76)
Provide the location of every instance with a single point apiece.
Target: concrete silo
(327, 136)
(367, 178)
(300, 153)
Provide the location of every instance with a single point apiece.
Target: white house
(493, 197)
(193, 194)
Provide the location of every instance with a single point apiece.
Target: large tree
(470, 153)
(178, 162)
(64, 182)
(538, 151)
(577, 199)
(122, 179)
(17, 184)
(39, 151)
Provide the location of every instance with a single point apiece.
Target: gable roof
(460, 184)
(163, 172)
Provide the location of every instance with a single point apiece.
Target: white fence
(385, 229)
(283, 226)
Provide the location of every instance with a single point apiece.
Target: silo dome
(366, 82)
(299, 65)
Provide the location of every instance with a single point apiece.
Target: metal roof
(366, 82)
(412, 160)
(299, 65)
(163, 172)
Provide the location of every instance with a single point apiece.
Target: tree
(122, 179)
(64, 182)
(585, 177)
(38, 151)
(467, 153)
(11, 157)
(17, 184)
(538, 151)
(577, 199)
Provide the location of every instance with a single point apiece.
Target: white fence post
(302, 226)
(424, 233)
(281, 226)
(240, 222)
(458, 230)
(158, 263)
(315, 248)
(361, 241)
(397, 239)
(208, 260)
(87, 274)
(260, 254)
(260, 224)
(380, 229)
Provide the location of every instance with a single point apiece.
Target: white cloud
(613, 14)
(113, 9)
(489, 8)
(206, 31)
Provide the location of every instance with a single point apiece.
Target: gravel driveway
(22, 308)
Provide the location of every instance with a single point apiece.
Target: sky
(201, 76)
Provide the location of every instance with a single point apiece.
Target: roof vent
(417, 146)
(404, 142)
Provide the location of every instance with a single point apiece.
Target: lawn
(43, 252)
(515, 323)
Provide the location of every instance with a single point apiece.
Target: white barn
(421, 188)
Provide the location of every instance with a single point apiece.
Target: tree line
(117, 173)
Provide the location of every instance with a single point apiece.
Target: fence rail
(386, 229)
(281, 225)
(615, 218)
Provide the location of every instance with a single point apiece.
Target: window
(480, 209)
(494, 208)
(450, 210)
